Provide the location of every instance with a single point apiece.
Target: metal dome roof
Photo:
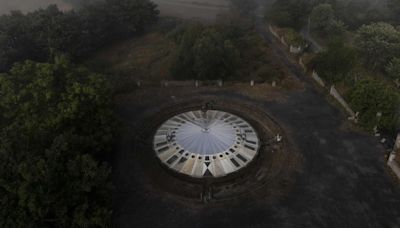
(206, 144)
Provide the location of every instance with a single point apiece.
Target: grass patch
(148, 58)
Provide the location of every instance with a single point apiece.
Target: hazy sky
(29, 5)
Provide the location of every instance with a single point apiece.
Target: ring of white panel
(206, 143)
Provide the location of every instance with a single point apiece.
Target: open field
(144, 58)
(29, 5)
(188, 9)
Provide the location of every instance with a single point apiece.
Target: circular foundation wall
(206, 144)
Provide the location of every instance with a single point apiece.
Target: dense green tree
(372, 96)
(378, 43)
(55, 122)
(205, 53)
(17, 40)
(393, 69)
(44, 33)
(336, 62)
(355, 13)
(51, 187)
(215, 57)
(323, 20)
(291, 13)
(322, 16)
(185, 60)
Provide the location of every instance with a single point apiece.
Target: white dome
(206, 144)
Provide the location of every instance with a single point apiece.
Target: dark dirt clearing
(342, 181)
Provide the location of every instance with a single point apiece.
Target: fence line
(316, 77)
(198, 83)
(341, 100)
(394, 166)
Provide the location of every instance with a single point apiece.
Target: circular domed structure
(206, 143)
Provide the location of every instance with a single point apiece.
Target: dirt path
(201, 10)
(30, 5)
(342, 182)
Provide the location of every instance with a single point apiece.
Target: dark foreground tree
(55, 122)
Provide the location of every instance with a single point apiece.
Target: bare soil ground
(192, 9)
(30, 5)
(143, 58)
(340, 181)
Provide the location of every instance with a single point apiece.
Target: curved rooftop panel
(206, 143)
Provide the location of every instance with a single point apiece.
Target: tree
(322, 16)
(336, 62)
(323, 20)
(216, 58)
(184, 62)
(55, 122)
(372, 96)
(45, 33)
(290, 13)
(54, 187)
(393, 69)
(205, 53)
(17, 41)
(378, 43)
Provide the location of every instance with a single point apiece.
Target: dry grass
(145, 58)
(188, 9)
(30, 5)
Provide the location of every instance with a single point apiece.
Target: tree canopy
(290, 13)
(378, 43)
(393, 69)
(56, 122)
(371, 96)
(44, 33)
(205, 53)
(323, 20)
(336, 62)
